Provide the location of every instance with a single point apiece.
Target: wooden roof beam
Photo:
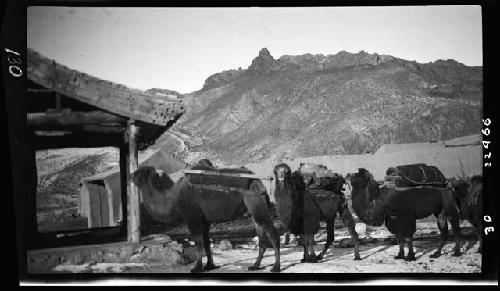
(109, 96)
(37, 90)
(74, 120)
(76, 140)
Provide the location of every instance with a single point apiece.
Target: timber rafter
(71, 120)
(115, 98)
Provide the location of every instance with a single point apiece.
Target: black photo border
(17, 190)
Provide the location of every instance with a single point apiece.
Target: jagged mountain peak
(264, 52)
(312, 62)
(262, 62)
(347, 103)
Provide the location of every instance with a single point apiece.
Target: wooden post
(30, 176)
(124, 158)
(58, 102)
(133, 211)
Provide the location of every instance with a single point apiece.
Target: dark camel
(200, 204)
(470, 202)
(301, 210)
(401, 207)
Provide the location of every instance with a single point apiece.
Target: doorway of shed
(60, 174)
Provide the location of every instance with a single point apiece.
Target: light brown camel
(199, 204)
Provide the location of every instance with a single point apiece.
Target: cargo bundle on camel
(415, 175)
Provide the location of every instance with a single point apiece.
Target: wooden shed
(66, 108)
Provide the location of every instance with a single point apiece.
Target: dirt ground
(377, 257)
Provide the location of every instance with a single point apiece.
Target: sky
(178, 48)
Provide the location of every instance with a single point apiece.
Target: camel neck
(281, 184)
(359, 195)
(161, 203)
(281, 189)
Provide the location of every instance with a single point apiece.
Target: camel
(289, 200)
(400, 208)
(200, 202)
(470, 202)
(301, 210)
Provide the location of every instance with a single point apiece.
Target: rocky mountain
(346, 103)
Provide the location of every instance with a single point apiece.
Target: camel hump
(415, 175)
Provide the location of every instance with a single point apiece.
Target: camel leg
(300, 241)
(272, 234)
(443, 228)
(198, 227)
(274, 238)
(455, 226)
(312, 256)
(480, 239)
(262, 247)
(206, 241)
(198, 240)
(348, 221)
(309, 245)
(286, 239)
(304, 245)
(401, 242)
(263, 223)
(478, 227)
(411, 253)
(330, 237)
(306, 240)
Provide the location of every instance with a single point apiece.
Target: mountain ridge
(346, 103)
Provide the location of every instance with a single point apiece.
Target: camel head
(475, 190)
(476, 179)
(282, 172)
(341, 182)
(361, 183)
(149, 175)
(360, 179)
(475, 186)
(367, 200)
(157, 192)
(464, 190)
(460, 188)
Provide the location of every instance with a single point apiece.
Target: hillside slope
(310, 105)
